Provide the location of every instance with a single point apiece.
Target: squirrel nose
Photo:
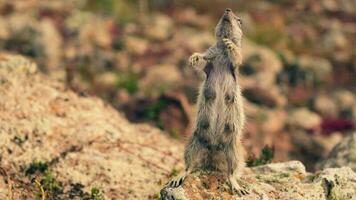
(227, 10)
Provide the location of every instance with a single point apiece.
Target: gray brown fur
(216, 141)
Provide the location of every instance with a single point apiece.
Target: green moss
(25, 42)
(96, 194)
(265, 157)
(128, 81)
(273, 178)
(284, 175)
(352, 157)
(174, 172)
(153, 110)
(174, 133)
(36, 166)
(39, 170)
(156, 196)
(49, 183)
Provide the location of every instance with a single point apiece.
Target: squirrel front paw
(229, 45)
(195, 59)
(233, 52)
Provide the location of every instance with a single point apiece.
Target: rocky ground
(288, 180)
(56, 144)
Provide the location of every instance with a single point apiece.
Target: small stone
(136, 45)
(168, 76)
(304, 118)
(326, 106)
(159, 27)
(320, 68)
(345, 99)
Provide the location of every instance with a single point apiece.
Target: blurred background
(298, 74)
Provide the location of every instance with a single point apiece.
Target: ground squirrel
(216, 141)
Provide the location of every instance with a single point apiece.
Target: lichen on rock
(287, 180)
(74, 146)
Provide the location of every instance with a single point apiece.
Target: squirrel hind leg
(179, 179)
(235, 187)
(235, 163)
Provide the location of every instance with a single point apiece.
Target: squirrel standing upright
(216, 142)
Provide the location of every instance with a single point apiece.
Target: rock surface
(84, 145)
(343, 154)
(287, 180)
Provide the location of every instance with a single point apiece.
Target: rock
(159, 27)
(288, 167)
(345, 99)
(51, 40)
(168, 76)
(260, 58)
(275, 121)
(91, 29)
(190, 17)
(107, 81)
(193, 40)
(123, 61)
(261, 95)
(17, 64)
(330, 5)
(343, 154)
(136, 45)
(4, 32)
(326, 106)
(96, 33)
(304, 118)
(320, 68)
(22, 35)
(287, 180)
(312, 148)
(348, 7)
(176, 116)
(339, 104)
(336, 183)
(336, 45)
(260, 68)
(82, 143)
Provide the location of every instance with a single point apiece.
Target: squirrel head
(229, 26)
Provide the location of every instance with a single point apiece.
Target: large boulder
(72, 146)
